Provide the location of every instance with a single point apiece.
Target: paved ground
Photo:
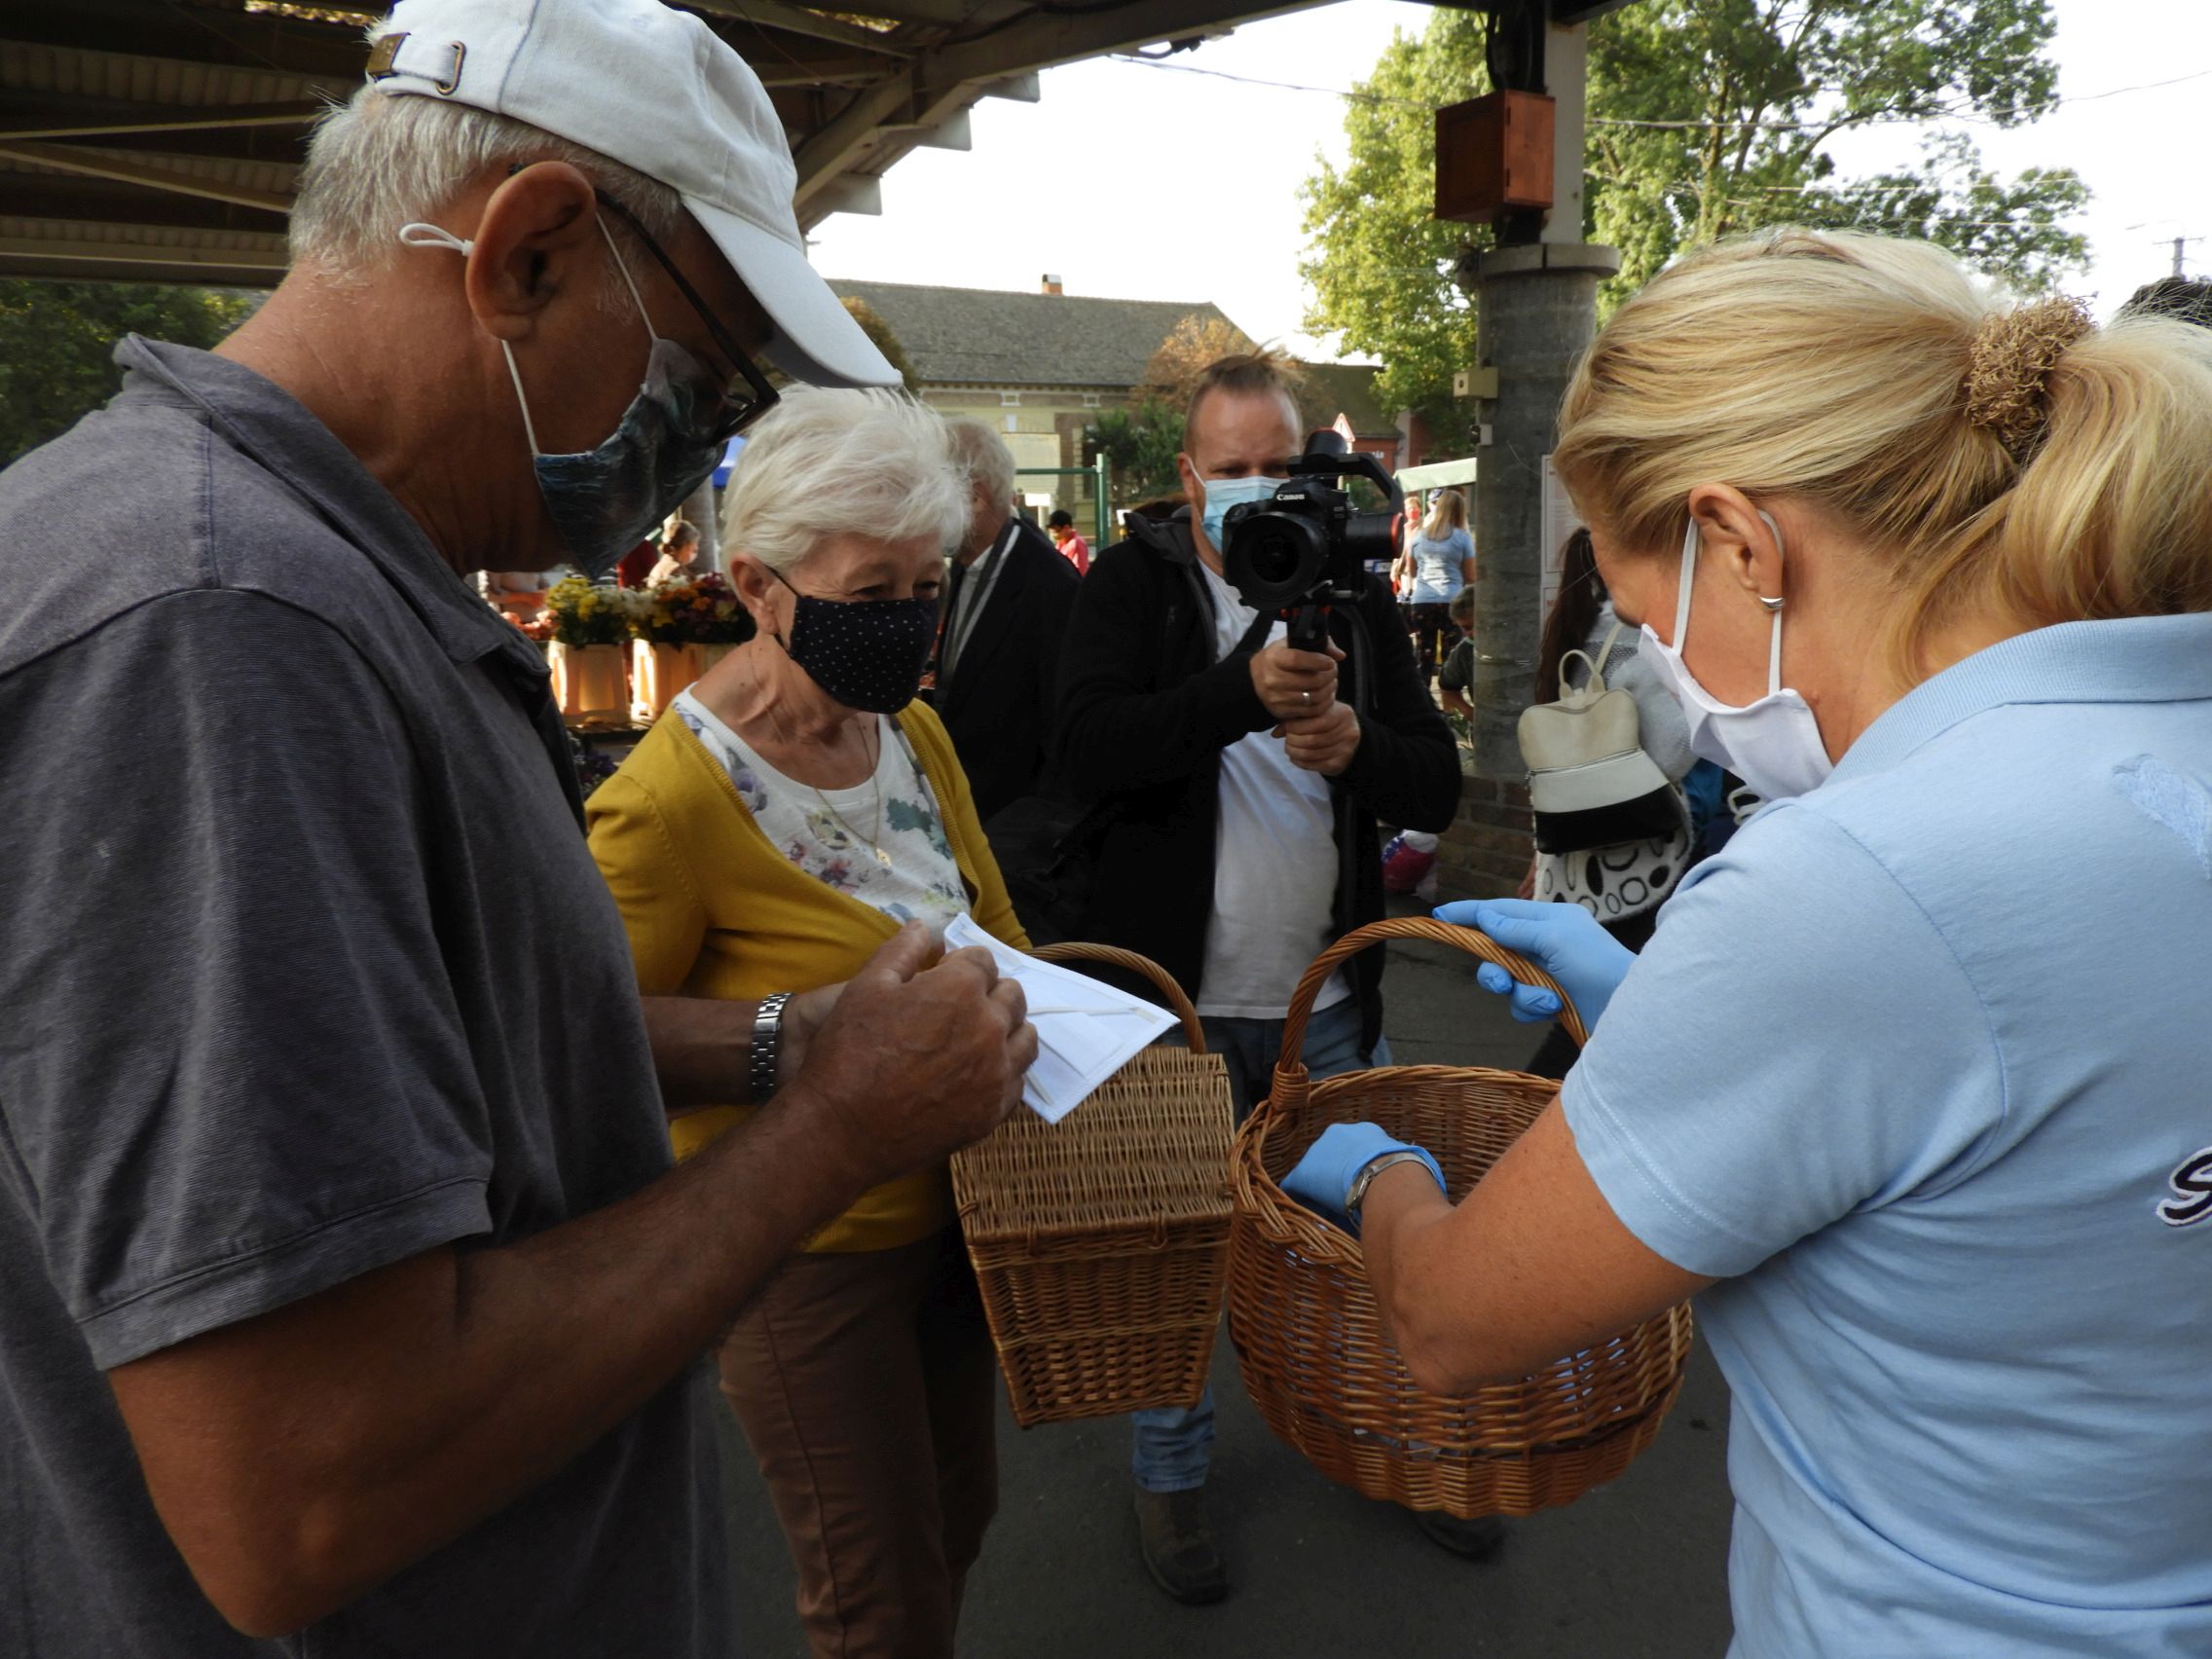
(1632, 1571)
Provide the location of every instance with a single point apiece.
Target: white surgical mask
(1774, 744)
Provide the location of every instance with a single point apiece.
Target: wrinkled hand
(1565, 941)
(1322, 1179)
(914, 1062)
(1295, 684)
(1322, 743)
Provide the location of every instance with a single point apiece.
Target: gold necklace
(876, 777)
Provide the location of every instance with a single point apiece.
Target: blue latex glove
(1565, 941)
(1323, 1177)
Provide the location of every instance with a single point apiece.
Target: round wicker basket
(1309, 1336)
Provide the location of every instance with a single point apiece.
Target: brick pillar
(1485, 852)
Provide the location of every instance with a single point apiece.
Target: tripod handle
(1308, 628)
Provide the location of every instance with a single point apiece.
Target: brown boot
(1178, 1546)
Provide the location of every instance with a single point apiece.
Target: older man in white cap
(348, 1287)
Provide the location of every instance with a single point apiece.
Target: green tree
(1140, 444)
(879, 334)
(1180, 358)
(1756, 90)
(58, 345)
(1708, 118)
(1381, 265)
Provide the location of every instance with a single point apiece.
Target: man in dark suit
(999, 655)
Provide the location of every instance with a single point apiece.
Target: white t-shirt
(825, 832)
(1275, 861)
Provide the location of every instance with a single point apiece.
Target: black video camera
(1306, 550)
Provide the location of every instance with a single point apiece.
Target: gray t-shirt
(307, 969)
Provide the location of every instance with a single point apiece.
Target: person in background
(1621, 885)
(998, 663)
(351, 1304)
(787, 814)
(1457, 678)
(1909, 1091)
(519, 592)
(1072, 548)
(679, 553)
(1440, 561)
(634, 567)
(1242, 787)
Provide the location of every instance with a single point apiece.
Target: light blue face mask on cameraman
(604, 501)
(1222, 494)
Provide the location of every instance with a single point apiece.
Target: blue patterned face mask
(1222, 494)
(604, 501)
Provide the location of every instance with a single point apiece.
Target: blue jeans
(1173, 1447)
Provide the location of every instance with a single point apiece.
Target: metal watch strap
(767, 1041)
(1357, 1194)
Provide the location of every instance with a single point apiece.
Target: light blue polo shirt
(1921, 1067)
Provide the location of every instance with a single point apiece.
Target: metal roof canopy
(159, 141)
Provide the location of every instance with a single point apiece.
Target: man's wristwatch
(767, 1041)
(1356, 1193)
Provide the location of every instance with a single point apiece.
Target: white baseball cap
(657, 90)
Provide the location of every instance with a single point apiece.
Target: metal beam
(95, 166)
(962, 13)
(1583, 11)
(1000, 64)
(827, 72)
(798, 20)
(37, 256)
(220, 119)
(954, 132)
(853, 193)
(267, 43)
(1053, 38)
(823, 154)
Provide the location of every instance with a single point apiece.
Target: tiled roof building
(986, 337)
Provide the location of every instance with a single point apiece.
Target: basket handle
(1144, 967)
(1477, 944)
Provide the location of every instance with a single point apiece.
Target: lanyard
(974, 593)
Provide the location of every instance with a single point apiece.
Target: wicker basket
(1101, 1242)
(1305, 1323)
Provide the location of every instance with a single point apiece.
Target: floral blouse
(882, 841)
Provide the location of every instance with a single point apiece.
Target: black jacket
(1145, 713)
(998, 702)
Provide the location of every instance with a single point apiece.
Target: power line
(1696, 124)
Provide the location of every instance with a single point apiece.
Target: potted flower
(716, 619)
(589, 626)
(662, 657)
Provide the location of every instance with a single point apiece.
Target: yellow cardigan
(715, 909)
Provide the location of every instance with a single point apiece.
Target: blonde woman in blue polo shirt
(1913, 1087)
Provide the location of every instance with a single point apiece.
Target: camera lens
(1276, 557)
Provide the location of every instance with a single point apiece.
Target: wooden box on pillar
(1494, 153)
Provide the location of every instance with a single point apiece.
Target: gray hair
(982, 454)
(377, 162)
(825, 463)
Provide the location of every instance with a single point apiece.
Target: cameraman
(1219, 756)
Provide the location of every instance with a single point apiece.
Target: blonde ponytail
(1992, 461)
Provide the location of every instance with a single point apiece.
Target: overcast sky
(1142, 183)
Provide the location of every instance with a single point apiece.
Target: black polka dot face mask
(867, 653)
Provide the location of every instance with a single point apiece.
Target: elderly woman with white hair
(786, 816)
